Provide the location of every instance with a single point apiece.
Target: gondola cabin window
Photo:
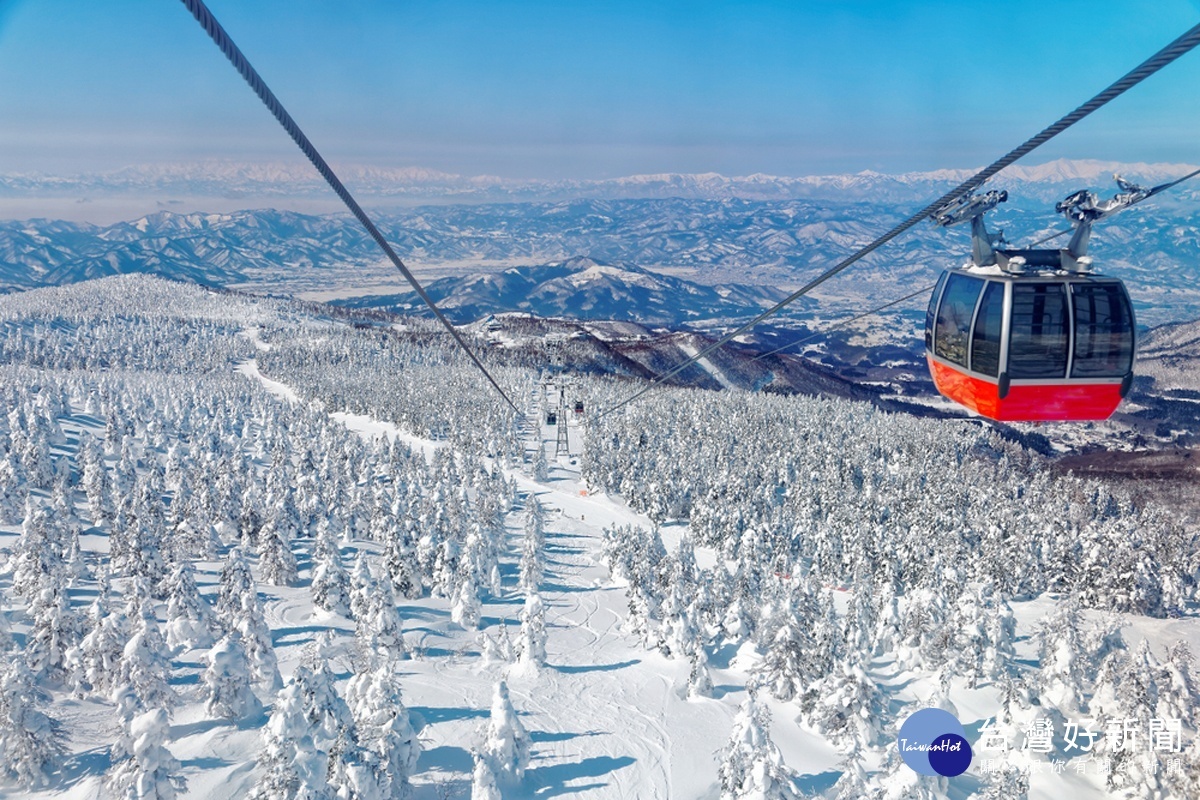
(1038, 343)
(954, 318)
(1103, 331)
(989, 324)
(931, 311)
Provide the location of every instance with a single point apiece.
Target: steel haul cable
(1162, 58)
(846, 322)
(251, 76)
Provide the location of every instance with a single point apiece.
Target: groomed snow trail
(608, 718)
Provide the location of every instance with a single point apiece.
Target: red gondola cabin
(1031, 347)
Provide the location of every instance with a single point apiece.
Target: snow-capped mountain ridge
(295, 179)
(581, 288)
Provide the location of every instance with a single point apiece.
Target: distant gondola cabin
(552, 418)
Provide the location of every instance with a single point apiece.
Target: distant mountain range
(716, 245)
(1171, 355)
(210, 249)
(582, 288)
(296, 179)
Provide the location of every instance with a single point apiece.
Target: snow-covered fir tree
(787, 666)
(540, 469)
(847, 705)
(31, 742)
(483, 780)
(239, 608)
(497, 648)
(466, 607)
(681, 633)
(38, 554)
(6, 640)
(401, 565)
(191, 622)
(12, 491)
(506, 743)
(56, 629)
(532, 644)
(900, 781)
(638, 557)
(75, 562)
(306, 723)
(379, 629)
(145, 664)
(855, 783)
(996, 653)
(94, 662)
(1064, 663)
(150, 772)
(384, 734)
(533, 545)
(330, 582)
(275, 557)
(751, 767)
(1179, 689)
(227, 681)
(362, 586)
(699, 682)
(1007, 784)
(236, 582)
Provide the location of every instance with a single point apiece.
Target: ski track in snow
(709, 367)
(250, 370)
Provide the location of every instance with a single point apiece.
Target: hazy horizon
(224, 186)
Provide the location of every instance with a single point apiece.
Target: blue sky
(592, 89)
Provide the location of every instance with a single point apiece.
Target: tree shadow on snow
(434, 714)
(193, 728)
(506, 600)
(446, 758)
(575, 670)
(76, 767)
(554, 779)
(302, 632)
(205, 762)
(541, 737)
(411, 612)
(723, 689)
(813, 785)
(723, 656)
(559, 588)
(563, 549)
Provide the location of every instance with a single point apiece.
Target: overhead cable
(251, 76)
(846, 322)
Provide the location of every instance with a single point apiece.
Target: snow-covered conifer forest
(258, 548)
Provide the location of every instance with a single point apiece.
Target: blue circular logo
(933, 742)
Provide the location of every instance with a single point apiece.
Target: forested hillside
(252, 547)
